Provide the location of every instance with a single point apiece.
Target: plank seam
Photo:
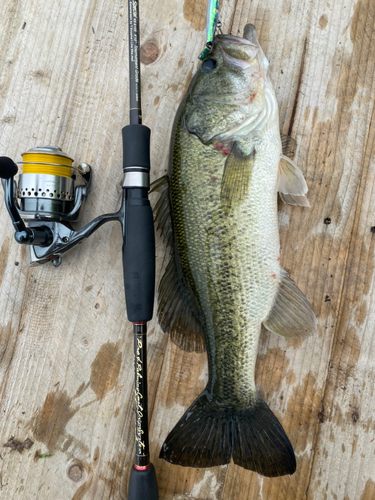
(293, 116)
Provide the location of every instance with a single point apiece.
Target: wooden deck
(66, 359)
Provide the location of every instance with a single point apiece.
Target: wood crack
(293, 117)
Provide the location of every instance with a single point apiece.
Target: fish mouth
(236, 51)
(234, 39)
(239, 51)
(249, 37)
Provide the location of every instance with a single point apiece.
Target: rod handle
(143, 484)
(139, 256)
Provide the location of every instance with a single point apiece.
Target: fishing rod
(50, 195)
(142, 483)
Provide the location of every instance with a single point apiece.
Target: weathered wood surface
(66, 347)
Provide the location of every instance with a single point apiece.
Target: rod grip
(136, 144)
(143, 484)
(139, 256)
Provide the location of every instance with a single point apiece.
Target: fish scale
(228, 256)
(224, 279)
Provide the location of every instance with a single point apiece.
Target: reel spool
(50, 188)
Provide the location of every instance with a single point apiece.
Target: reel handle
(38, 236)
(8, 168)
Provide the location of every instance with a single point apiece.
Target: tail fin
(208, 435)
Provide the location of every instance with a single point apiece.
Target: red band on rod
(139, 467)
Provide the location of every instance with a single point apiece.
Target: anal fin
(291, 315)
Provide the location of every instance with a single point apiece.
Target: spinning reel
(49, 196)
(51, 193)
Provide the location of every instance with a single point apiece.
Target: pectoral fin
(291, 315)
(236, 177)
(291, 184)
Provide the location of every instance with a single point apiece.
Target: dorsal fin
(162, 211)
(178, 310)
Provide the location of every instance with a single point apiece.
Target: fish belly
(230, 258)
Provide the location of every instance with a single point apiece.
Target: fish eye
(208, 65)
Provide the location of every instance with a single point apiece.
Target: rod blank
(134, 63)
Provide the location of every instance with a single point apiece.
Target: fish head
(228, 91)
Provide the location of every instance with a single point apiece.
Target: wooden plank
(346, 436)
(65, 346)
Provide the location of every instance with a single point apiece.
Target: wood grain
(66, 354)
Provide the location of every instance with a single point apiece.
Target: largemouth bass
(218, 212)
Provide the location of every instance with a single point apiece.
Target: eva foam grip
(136, 144)
(143, 484)
(7, 167)
(139, 256)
